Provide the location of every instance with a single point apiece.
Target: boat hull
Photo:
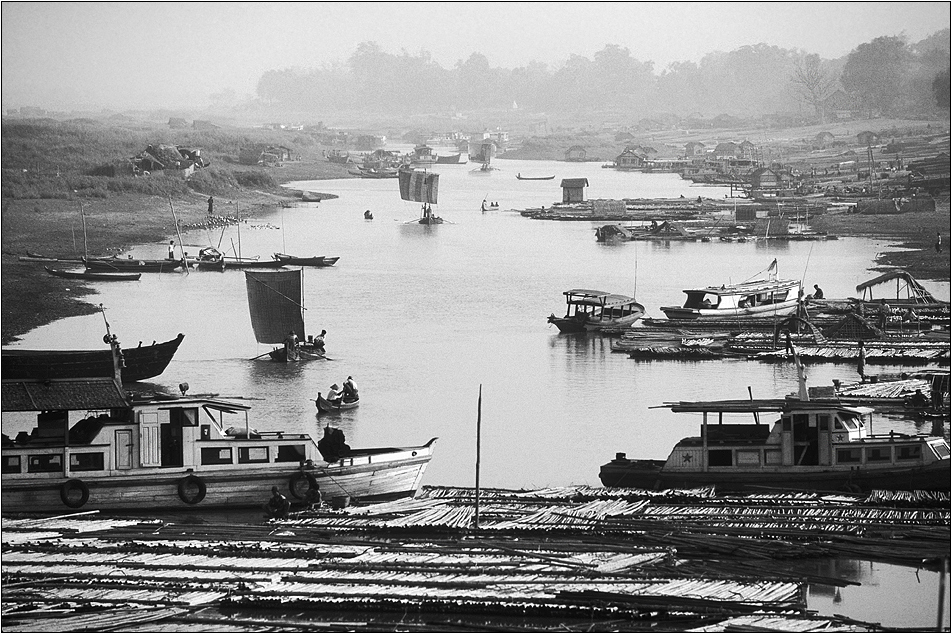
(305, 353)
(781, 309)
(326, 407)
(650, 474)
(574, 325)
(365, 477)
(320, 260)
(142, 362)
(100, 276)
(452, 159)
(140, 266)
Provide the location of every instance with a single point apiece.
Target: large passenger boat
(95, 446)
(753, 299)
(814, 445)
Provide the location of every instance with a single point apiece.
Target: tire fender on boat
(191, 489)
(294, 484)
(68, 492)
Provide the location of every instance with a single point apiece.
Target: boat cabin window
(824, 422)
(878, 454)
(787, 423)
(701, 300)
(45, 463)
(845, 423)
(290, 453)
(908, 452)
(248, 455)
(11, 464)
(940, 449)
(844, 456)
(86, 461)
(216, 455)
(720, 458)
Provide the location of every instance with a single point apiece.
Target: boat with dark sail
(317, 260)
(96, 276)
(421, 187)
(141, 362)
(591, 310)
(275, 301)
(96, 446)
(813, 445)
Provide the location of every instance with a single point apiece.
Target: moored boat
(318, 260)
(97, 447)
(100, 276)
(770, 297)
(534, 178)
(134, 265)
(452, 159)
(591, 310)
(814, 445)
(140, 363)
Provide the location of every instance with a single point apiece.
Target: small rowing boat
(326, 407)
(317, 260)
(99, 276)
(534, 178)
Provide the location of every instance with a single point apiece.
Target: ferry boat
(753, 299)
(591, 310)
(814, 445)
(97, 447)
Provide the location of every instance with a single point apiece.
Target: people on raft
(278, 506)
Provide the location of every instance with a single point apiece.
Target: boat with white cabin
(753, 299)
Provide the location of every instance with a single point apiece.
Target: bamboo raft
(590, 557)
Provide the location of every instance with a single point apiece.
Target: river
(424, 317)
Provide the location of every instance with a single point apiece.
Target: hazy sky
(67, 55)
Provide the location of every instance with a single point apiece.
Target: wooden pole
(179, 233)
(82, 212)
(943, 575)
(238, 216)
(479, 425)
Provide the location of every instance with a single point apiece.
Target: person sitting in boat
(706, 303)
(290, 345)
(817, 292)
(278, 506)
(350, 389)
(334, 395)
(918, 400)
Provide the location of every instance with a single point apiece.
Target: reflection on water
(894, 596)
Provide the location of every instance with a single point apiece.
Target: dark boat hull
(94, 275)
(535, 178)
(143, 362)
(326, 407)
(319, 260)
(305, 353)
(648, 474)
(449, 160)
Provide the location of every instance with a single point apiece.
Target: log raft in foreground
(609, 559)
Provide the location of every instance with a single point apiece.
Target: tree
(941, 88)
(874, 72)
(812, 81)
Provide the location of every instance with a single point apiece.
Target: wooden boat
(131, 265)
(484, 207)
(534, 178)
(99, 276)
(902, 293)
(421, 187)
(755, 299)
(422, 155)
(318, 260)
(311, 197)
(374, 172)
(275, 301)
(96, 447)
(814, 445)
(326, 407)
(141, 362)
(452, 159)
(338, 156)
(590, 310)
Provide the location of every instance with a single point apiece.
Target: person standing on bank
(211, 205)
(171, 249)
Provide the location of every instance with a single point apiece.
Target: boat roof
(750, 406)
(744, 288)
(197, 400)
(62, 394)
(588, 297)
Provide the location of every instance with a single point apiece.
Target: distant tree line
(886, 75)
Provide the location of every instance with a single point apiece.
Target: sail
(419, 186)
(274, 300)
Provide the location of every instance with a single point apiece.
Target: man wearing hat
(334, 395)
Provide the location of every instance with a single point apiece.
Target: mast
(179, 233)
(82, 212)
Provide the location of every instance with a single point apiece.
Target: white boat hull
(711, 314)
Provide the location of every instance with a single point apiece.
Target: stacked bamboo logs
(622, 558)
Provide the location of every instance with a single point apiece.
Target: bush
(255, 178)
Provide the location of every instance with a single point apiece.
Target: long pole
(82, 212)
(179, 233)
(238, 216)
(479, 431)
